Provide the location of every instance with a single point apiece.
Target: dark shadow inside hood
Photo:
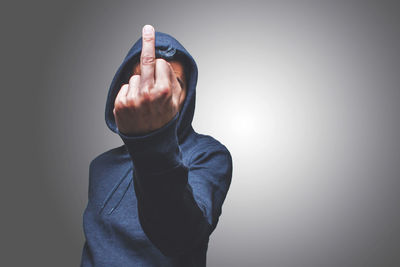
(168, 48)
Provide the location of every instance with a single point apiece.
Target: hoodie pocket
(117, 193)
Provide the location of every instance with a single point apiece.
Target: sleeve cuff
(157, 151)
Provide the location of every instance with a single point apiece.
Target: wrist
(156, 151)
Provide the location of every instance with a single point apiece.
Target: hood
(168, 48)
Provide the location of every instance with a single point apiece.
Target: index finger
(147, 58)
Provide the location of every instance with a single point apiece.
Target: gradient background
(305, 94)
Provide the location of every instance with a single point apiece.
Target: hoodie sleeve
(177, 215)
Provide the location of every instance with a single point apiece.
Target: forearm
(168, 213)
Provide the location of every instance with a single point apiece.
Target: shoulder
(206, 146)
(109, 157)
(204, 141)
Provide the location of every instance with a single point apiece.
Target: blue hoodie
(155, 200)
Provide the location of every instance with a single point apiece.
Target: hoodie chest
(108, 187)
(113, 210)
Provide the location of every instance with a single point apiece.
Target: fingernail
(148, 29)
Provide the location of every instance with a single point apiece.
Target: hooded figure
(164, 214)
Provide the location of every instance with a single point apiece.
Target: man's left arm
(176, 216)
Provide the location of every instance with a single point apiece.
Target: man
(155, 200)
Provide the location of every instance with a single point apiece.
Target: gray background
(305, 94)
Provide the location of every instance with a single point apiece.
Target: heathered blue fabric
(155, 200)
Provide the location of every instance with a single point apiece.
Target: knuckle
(123, 89)
(148, 60)
(145, 97)
(161, 60)
(164, 88)
(146, 87)
(152, 97)
(148, 37)
(117, 100)
(118, 105)
(165, 91)
(130, 101)
(134, 78)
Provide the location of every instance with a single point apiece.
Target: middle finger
(147, 58)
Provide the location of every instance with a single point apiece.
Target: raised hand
(151, 99)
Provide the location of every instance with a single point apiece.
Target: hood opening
(168, 48)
